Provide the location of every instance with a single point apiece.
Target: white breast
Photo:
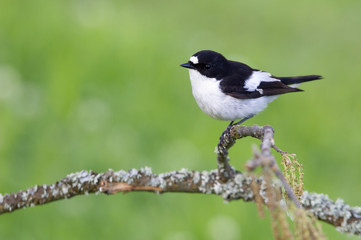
(218, 105)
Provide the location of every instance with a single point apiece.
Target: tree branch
(224, 181)
(85, 182)
(347, 219)
(227, 140)
(266, 159)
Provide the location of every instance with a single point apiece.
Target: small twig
(278, 150)
(257, 197)
(266, 145)
(265, 134)
(225, 170)
(227, 140)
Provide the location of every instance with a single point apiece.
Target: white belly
(216, 104)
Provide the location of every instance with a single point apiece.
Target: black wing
(234, 86)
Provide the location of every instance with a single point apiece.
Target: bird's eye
(208, 66)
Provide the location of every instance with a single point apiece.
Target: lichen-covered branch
(225, 181)
(347, 219)
(265, 159)
(85, 182)
(270, 161)
(227, 140)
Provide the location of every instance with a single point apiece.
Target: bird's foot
(225, 132)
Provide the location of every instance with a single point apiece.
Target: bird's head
(208, 63)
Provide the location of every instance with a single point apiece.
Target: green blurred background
(97, 85)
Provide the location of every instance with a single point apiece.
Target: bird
(230, 91)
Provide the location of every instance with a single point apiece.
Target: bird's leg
(228, 128)
(231, 124)
(225, 131)
(243, 120)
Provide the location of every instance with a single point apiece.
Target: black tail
(300, 79)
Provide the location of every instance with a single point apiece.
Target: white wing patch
(194, 60)
(252, 83)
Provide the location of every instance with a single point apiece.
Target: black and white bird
(230, 90)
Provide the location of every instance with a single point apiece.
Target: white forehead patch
(194, 60)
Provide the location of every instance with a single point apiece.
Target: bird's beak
(187, 65)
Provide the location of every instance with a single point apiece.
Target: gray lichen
(196, 178)
(237, 187)
(325, 209)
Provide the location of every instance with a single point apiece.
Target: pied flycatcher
(230, 90)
